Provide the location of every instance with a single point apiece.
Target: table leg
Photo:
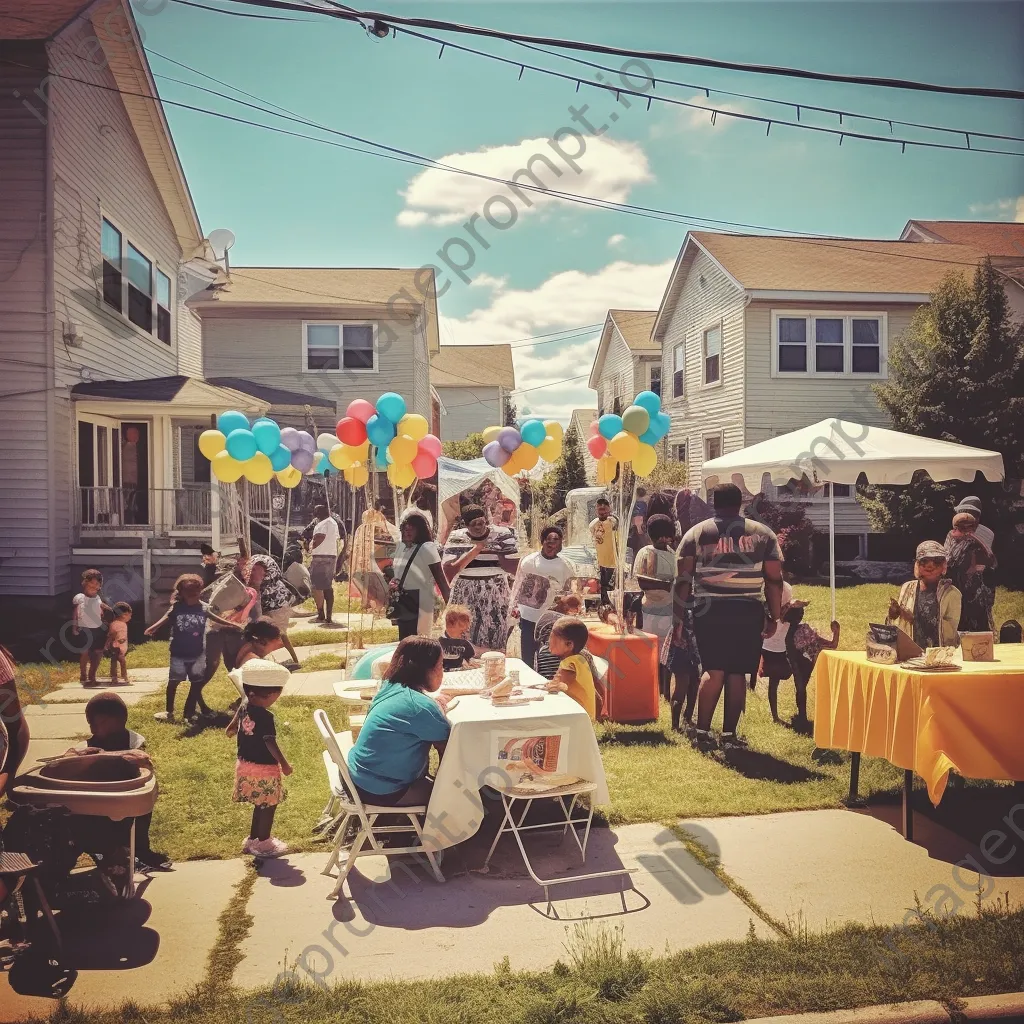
(853, 798)
(908, 805)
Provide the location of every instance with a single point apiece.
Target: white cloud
(698, 117)
(489, 281)
(616, 240)
(606, 169)
(1001, 209)
(565, 300)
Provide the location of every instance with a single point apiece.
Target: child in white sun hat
(260, 763)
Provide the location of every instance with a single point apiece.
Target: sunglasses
(931, 563)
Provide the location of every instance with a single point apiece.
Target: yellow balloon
(414, 425)
(211, 442)
(401, 474)
(258, 469)
(289, 477)
(226, 469)
(623, 446)
(550, 449)
(607, 467)
(554, 429)
(360, 451)
(491, 434)
(402, 450)
(342, 457)
(645, 460)
(528, 456)
(357, 476)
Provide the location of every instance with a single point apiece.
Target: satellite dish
(221, 239)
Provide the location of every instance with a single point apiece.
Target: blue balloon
(391, 406)
(228, 421)
(241, 445)
(382, 458)
(533, 432)
(650, 436)
(280, 458)
(610, 425)
(268, 436)
(380, 430)
(650, 401)
(324, 466)
(660, 423)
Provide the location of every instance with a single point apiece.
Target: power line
(391, 21)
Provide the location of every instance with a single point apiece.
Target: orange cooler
(632, 673)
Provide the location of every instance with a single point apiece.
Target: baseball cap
(929, 549)
(264, 674)
(969, 504)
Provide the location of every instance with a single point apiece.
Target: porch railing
(135, 510)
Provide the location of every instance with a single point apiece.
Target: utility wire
(391, 21)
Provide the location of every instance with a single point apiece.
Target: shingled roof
(466, 365)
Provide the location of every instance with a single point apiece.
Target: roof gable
(463, 366)
(38, 19)
(1003, 239)
(632, 328)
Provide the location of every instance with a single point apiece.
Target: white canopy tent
(454, 477)
(841, 452)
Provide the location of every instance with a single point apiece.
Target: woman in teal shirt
(388, 762)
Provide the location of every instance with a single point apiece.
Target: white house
(628, 359)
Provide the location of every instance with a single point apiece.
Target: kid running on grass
(188, 616)
(117, 640)
(803, 645)
(680, 659)
(260, 762)
(87, 618)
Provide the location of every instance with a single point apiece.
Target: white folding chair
(367, 841)
(568, 798)
(334, 814)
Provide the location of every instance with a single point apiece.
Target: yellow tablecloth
(971, 721)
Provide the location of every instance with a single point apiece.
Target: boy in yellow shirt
(575, 674)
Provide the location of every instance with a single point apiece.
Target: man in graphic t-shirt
(605, 532)
(541, 577)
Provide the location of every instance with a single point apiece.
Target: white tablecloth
(472, 758)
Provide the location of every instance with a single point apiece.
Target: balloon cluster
(629, 438)
(257, 451)
(518, 450)
(405, 446)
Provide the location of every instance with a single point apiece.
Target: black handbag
(403, 605)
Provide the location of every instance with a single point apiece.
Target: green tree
(957, 374)
(470, 448)
(509, 412)
(569, 474)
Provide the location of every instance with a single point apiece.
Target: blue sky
(560, 266)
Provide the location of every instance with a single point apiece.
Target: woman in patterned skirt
(479, 559)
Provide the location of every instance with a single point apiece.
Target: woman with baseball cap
(929, 605)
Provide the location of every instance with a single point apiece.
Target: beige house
(472, 383)
(628, 360)
(761, 335)
(580, 423)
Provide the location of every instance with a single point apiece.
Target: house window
(341, 346)
(680, 453)
(844, 344)
(133, 285)
(713, 355)
(656, 378)
(678, 371)
(712, 447)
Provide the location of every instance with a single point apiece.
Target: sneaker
(704, 741)
(249, 846)
(270, 848)
(164, 716)
(730, 741)
(153, 861)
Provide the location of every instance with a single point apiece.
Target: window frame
(156, 267)
(717, 382)
(710, 436)
(816, 496)
(654, 368)
(811, 316)
(680, 447)
(341, 325)
(680, 391)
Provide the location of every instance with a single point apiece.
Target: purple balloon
(303, 460)
(495, 455)
(290, 438)
(509, 439)
(307, 442)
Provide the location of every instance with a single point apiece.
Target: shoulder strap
(408, 566)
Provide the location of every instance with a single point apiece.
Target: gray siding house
(580, 423)
(472, 383)
(627, 361)
(761, 335)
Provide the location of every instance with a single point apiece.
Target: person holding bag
(417, 569)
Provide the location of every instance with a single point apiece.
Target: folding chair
(367, 841)
(510, 825)
(333, 815)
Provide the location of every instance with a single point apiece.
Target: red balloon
(431, 445)
(424, 465)
(594, 429)
(597, 446)
(360, 409)
(351, 431)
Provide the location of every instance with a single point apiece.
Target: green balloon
(636, 419)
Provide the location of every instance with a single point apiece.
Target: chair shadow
(755, 764)
(280, 872)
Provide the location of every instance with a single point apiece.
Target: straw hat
(266, 675)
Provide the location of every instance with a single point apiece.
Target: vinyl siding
(26, 465)
(468, 411)
(703, 411)
(777, 405)
(267, 348)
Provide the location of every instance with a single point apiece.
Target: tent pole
(832, 547)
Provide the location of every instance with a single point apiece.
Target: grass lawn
(598, 981)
